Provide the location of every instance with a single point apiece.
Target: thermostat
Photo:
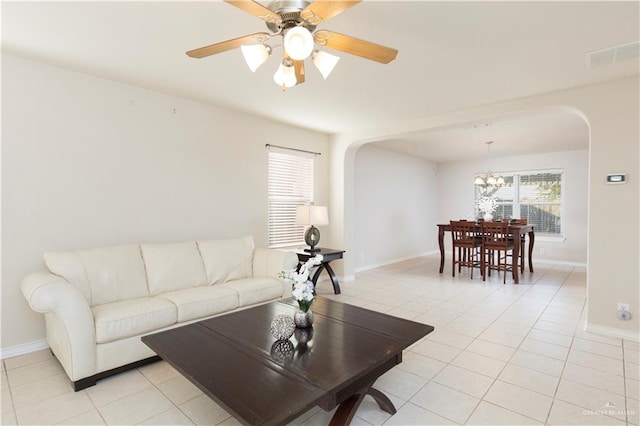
(617, 178)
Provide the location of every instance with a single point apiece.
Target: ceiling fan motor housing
(289, 11)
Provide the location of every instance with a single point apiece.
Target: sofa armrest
(70, 327)
(270, 262)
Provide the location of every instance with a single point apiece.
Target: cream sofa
(97, 303)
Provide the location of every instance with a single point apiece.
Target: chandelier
(489, 182)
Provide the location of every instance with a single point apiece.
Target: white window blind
(290, 185)
(533, 195)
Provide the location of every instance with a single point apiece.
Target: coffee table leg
(345, 412)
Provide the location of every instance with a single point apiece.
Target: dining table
(516, 230)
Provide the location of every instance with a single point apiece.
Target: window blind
(290, 185)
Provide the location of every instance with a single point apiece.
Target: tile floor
(500, 355)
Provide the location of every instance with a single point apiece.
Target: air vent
(612, 55)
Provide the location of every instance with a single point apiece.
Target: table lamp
(311, 215)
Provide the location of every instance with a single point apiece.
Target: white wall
(456, 195)
(394, 196)
(89, 162)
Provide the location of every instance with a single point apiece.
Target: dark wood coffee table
(234, 360)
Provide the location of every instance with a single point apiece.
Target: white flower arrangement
(486, 204)
(302, 286)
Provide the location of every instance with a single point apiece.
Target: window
(535, 196)
(290, 185)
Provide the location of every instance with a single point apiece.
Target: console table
(328, 255)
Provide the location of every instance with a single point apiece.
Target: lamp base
(312, 250)
(312, 238)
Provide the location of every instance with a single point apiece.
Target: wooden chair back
(462, 232)
(496, 236)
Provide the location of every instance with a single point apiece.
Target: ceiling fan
(296, 22)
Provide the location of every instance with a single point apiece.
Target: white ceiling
(452, 56)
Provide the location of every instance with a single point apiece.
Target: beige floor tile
(550, 337)
(563, 413)
(522, 401)
(34, 392)
(582, 334)
(55, 410)
(400, 383)
(490, 414)
(490, 349)
(632, 370)
(202, 410)
(502, 338)
(555, 328)
(4, 382)
(27, 359)
(89, 418)
(595, 378)
(630, 344)
(633, 411)
(179, 390)
(117, 387)
(445, 337)
(171, 417)
(444, 353)
(633, 388)
(158, 372)
(8, 418)
(632, 355)
(537, 362)
(34, 372)
(529, 379)
(6, 402)
(135, 408)
(479, 363)
(463, 380)
(545, 349)
(420, 365)
(446, 402)
(411, 414)
(595, 361)
(592, 398)
(604, 349)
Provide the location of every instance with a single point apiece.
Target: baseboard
(559, 262)
(23, 349)
(612, 332)
(392, 261)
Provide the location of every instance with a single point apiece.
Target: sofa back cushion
(226, 260)
(103, 275)
(173, 266)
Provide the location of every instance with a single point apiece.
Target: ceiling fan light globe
(491, 180)
(325, 62)
(298, 43)
(255, 55)
(478, 181)
(500, 181)
(285, 76)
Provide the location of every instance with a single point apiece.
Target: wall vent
(612, 55)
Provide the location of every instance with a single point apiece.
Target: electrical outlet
(623, 307)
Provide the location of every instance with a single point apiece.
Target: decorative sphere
(282, 327)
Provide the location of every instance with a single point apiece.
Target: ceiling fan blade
(323, 10)
(299, 67)
(354, 46)
(256, 9)
(212, 49)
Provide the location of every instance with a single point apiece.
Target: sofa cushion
(256, 290)
(110, 274)
(119, 320)
(173, 266)
(226, 260)
(200, 302)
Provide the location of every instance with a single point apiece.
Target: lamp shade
(255, 55)
(312, 215)
(285, 76)
(298, 43)
(325, 62)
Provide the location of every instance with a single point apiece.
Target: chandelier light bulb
(255, 55)
(325, 62)
(298, 43)
(285, 76)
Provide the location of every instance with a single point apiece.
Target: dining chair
(496, 239)
(468, 245)
(522, 240)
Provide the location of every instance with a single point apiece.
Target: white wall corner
(23, 349)
(612, 332)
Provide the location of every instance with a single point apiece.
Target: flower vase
(303, 319)
(488, 217)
